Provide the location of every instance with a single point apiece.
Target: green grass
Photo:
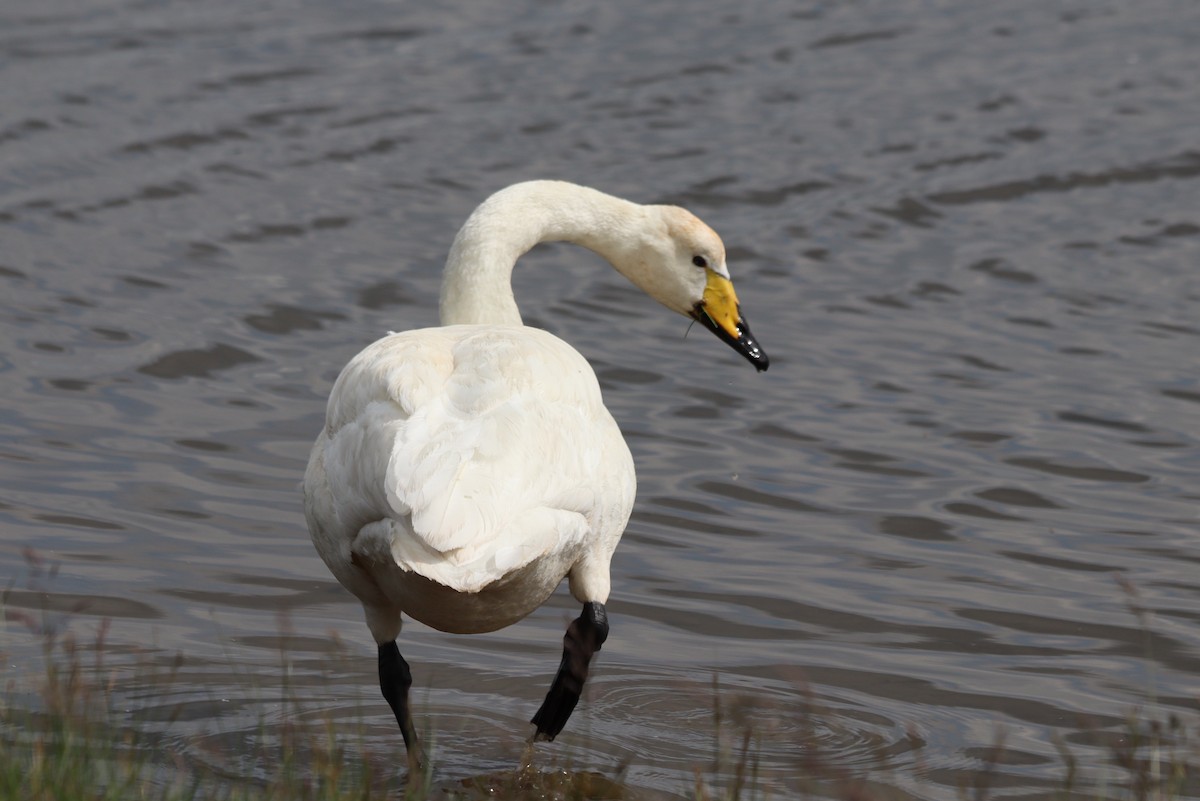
(62, 738)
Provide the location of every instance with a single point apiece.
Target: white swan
(464, 470)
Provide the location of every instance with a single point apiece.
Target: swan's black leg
(584, 637)
(394, 681)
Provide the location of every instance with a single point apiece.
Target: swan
(464, 470)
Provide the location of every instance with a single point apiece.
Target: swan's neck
(477, 287)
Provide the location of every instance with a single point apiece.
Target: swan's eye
(699, 261)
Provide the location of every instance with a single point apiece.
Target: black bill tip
(744, 342)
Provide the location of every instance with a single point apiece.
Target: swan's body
(443, 464)
(465, 470)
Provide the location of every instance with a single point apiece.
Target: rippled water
(967, 234)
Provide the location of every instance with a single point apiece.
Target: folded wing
(482, 450)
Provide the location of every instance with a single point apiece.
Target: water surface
(962, 501)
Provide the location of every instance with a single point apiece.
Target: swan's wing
(485, 449)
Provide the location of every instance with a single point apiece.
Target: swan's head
(687, 273)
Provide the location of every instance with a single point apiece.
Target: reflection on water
(963, 501)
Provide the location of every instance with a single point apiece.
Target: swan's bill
(719, 313)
